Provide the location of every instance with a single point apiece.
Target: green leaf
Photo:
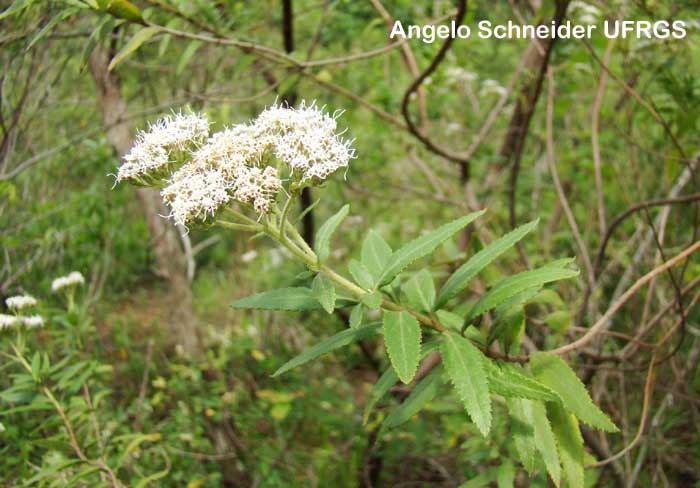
(51, 24)
(570, 442)
(339, 340)
(288, 84)
(380, 388)
(105, 26)
(375, 254)
(324, 291)
(558, 320)
(515, 284)
(125, 10)
(323, 236)
(424, 392)
(372, 300)
(544, 440)
(133, 44)
(36, 366)
(461, 278)
(506, 475)
(510, 326)
(450, 319)
(420, 291)
(16, 7)
(423, 246)
(465, 365)
(402, 339)
(186, 56)
(361, 274)
(356, 316)
(294, 298)
(522, 431)
(556, 374)
(506, 380)
(389, 379)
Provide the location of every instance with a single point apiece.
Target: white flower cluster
(153, 149)
(8, 321)
(74, 278)
(11, 321)
(306, 140)
(457, 74)
(492, 86)
(236, 163)
(586, 13)
(20, 302)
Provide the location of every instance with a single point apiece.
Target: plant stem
(245, 227)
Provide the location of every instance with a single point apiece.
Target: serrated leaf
(461, 278)
(402, 339)
(420, 291)
(522, 431)
(506, 380)
(515, 284)
(132, 45)
(324, 291)
(375, 254)
(544, 440)
(556, 374)
(424, 392)
(323, 236)
(361, 274)
(337, 341)
(380, 388)
(356, 316)
(372, 300)
(465, 366)
(293, 298)
(423, 245)
(570, 443)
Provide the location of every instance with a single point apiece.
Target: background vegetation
(167, 384)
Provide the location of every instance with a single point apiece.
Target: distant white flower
(586, 13)
(153, 149)
(492, 86)
(456, 74)
(73, 278)
(8, 321)
(306, 140)
(249, 256)
(33, 322)
(453, 127)
(20, 302)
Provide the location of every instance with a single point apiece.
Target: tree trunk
(165, 237)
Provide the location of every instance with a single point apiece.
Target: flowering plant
(430, 335)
